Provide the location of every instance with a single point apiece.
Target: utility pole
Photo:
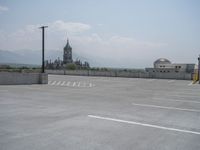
(43, 27)
(199, 69)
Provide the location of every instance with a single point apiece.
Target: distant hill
(20, 57)
(32, 56)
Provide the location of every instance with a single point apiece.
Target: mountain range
(32, 56)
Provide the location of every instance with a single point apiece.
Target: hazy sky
(115, 33)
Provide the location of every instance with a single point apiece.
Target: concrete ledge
(156, 75)
(13, 78)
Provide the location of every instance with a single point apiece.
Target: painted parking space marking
(191, 83)
(163, 107)
(63, 83)
(151, 80)
(84, 84)
(58, 83)
(53, 83)
(74, 84)
(71, 84)
(90, 85)
(170, 81)
(68, 83)
(49, 82)
(177, 100)
(144, 124)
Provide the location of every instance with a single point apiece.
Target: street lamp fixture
(43, 28)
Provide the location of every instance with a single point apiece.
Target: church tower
(67, 54)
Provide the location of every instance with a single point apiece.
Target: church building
(67, 54)
(67, 59)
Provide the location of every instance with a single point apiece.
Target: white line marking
(170, 81)
(53, 83)
(163, 107)
(176, 100)
(58, 83)
(144, 124)
(74, 84)
(79, 84)
(68, 83)
(63, 83)
(151, 80)
(84, 84)
(190, 83)
(90, 85)
(49, 82)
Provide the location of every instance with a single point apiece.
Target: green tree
(71, 66)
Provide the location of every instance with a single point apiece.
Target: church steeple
(67, 56)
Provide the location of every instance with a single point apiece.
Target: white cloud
(105, 51)
(30, 36)
(117, 50)
(3, 8)
(71, 27)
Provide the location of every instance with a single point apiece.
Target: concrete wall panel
(12, 78)
(156, 75)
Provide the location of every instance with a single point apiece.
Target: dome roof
(162, 61)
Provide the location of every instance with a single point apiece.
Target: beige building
(163, 65)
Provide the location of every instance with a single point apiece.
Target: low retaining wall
(12, 78)
(113, 73)
(178, 75)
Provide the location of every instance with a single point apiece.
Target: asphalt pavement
(100, 113)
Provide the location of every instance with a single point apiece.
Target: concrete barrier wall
(12, 78)
(178, 75)
(156, 75)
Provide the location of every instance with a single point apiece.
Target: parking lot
(100, 113)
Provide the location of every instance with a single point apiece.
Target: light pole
(43, 27)
(199, 68)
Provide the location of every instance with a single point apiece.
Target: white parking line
(58, 83)
(49, 82)
(53, 83)
(151, 80)
(90, 85)
(84, 84)
(68, 83)
(191, 83)
(71, 84)
(163, 107)
(144, 124)
(177, 100)
(63, 83)
(74, 84)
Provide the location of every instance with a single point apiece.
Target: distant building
(165, 66)
(67, 54)
(67, 59)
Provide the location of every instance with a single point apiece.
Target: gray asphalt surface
(100, 113)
